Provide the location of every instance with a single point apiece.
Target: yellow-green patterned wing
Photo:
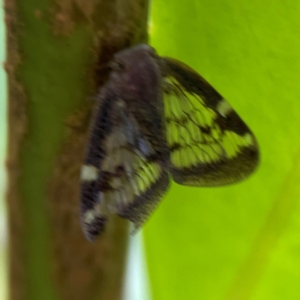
(156, 117)
(209, 143)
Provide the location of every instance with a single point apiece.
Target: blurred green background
(240, 241)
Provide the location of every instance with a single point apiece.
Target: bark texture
(56, 61)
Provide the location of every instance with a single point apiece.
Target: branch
(56, 57)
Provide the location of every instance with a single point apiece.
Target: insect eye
(116, 66)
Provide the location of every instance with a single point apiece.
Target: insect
(155, 120)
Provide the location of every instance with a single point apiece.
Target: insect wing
(209, 144)
(120, 175)
(137, 139)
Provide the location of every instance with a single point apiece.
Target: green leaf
(241, 241)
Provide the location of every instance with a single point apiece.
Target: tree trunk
(56, 56)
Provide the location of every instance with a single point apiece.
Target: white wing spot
(89, 173)
(89, 216)
(248, 139)
(223, 108)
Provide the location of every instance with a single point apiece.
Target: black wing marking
(209, 144)
(121, 174)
